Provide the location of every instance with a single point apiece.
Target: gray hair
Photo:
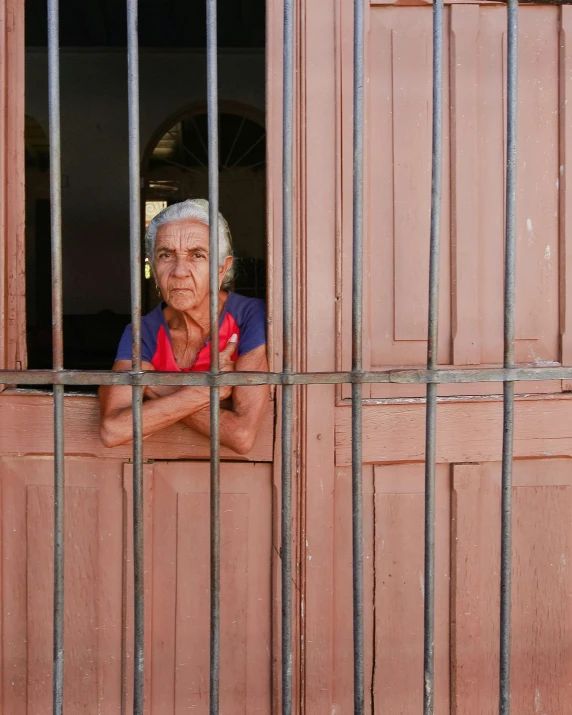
(197, 209)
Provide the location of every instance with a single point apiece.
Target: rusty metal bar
(137, 398)
(357, 326)
(432, 358)
(212, 112)
(58, 349)
(509, 315)
(287, 390)
(410, 376)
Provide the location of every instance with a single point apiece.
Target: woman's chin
(182, 300)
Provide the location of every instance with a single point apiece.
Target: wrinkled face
(181, 264)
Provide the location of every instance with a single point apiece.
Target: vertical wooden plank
(13, 307)
(320, 128)
(179, 668)
(93, 585)
(537, 195)
(14, 593)
(342, 661)
(542, 601)
(128, 605)
(475, 562)
(3, 274)
(565, 167)
(411, 63)
(464, 197)
(541, 667)
(398, 582)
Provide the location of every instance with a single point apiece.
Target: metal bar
(412, 376)
(137, 396)
(432, 357)
(213, 162)
(288, 362)
(357, 327)
(58, 349)
(509, 313)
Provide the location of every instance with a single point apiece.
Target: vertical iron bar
(508, 396)
(357, 323)
(58, 349)
(432, 357)
(287, 390)
(137, 392)
(212, 110)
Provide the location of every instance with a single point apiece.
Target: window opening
(95, 181)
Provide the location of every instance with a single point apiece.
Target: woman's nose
(181, 267)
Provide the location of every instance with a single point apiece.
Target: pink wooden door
(98, 622)
(469, 433)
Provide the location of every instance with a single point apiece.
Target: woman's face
(181, 264)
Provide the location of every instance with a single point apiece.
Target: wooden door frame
(12, 176)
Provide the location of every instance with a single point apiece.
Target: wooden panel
(399, 595)
(464, 168)
(467, 431)
(19, 411)
(398, 147)
(565, 188)
(342, 662)
(541, 667)
(393, 576)
(12, 176)
(399, 185)
(93, 585)
(411, 49)
(180, 586)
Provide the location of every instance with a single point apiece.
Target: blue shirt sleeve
(252, 326)
(124, 348)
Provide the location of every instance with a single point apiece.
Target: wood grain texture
(12, 177)
(179, 583)
(319, 119)
(393, 589)
(468, 431)
(93, 578)
(565, 76)
(541, 666)
(398, 126)
(18, 412)
(464, 200)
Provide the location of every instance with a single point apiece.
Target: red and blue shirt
(245, 317)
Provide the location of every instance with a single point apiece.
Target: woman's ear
(224, 269)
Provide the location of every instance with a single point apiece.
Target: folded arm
(116, 412)
(240, 423)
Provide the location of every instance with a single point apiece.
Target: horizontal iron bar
(410, 376)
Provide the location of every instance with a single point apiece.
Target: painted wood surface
(27, 427)
(541, 667)
(469, 431)
(99, 586)
(398, 150)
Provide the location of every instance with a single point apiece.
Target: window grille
(288, 379)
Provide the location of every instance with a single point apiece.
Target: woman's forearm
(117, 427)
(237, 431)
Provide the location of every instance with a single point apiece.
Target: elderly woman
(175, 336)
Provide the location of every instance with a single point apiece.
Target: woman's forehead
(183, 232)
